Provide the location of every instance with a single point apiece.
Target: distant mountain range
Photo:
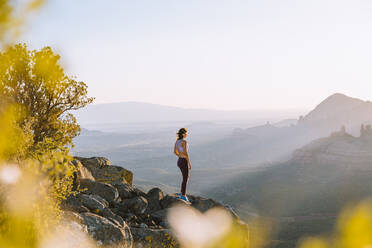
(130, 112)
(306, 193)
(314, 163)
(272, 142)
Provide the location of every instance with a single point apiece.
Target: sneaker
(184, 198)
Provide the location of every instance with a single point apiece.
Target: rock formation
(340, 148)
(117, 214)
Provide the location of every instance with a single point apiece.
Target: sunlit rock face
(102, 170)
(115, 213)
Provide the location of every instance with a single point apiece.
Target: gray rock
(108, 214)
(104, 190)
(69, 216)
(147, 237)
(170, 200)
(82, 171)
(74, 204)
(102, 170)
(125, 190)
(139, 192)
(137, 205)
(121, 209)
(92, 202)
(160, 216)
(204, 204)
(154, 196)
(107, 233)
(95, 161)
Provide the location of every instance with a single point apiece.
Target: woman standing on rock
(181, 150)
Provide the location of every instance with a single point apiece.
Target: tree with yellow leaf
(44, 95)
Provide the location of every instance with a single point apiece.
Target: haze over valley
(146, 147)
(309, 164)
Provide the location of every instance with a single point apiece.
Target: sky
(227, 55)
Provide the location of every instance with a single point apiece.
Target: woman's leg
(182, 164)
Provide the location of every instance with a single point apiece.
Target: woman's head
(182, 133)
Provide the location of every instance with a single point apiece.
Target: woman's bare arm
(175, 151)
(186, 153)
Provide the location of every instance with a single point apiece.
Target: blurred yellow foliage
(237, 237)
(35, 166)
(13, 16)
(354, 230)
(31, 190)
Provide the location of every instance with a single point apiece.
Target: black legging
(184, 167)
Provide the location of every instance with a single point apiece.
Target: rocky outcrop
(340, 149)
(106, 232)
(104, 190)
(146, 236)
(102, 170)
(117, 214)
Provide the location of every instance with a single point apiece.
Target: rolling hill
(309, 190)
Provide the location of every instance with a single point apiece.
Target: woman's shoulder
(182, 141)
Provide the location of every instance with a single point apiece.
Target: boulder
(170, 200)
(74, 204)
(121, 209)
(160, 217)
(137, 205)
(113, 175)
(139, 192)
(94, 161)
(107, 233)
(154, 196)
(130, 218)
(125, 190)
(108, 214)
(69, 216)
(82, 171)
(102, 170)
(93, 202)
(154, 238)
(106, 191)
(204, 204)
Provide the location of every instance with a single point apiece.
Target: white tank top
(179, 145)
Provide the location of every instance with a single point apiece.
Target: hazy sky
(230, 54)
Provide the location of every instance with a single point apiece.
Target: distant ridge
(125, 112)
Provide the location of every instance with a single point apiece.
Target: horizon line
(200, 108)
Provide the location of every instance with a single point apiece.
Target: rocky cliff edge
(114, 213)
